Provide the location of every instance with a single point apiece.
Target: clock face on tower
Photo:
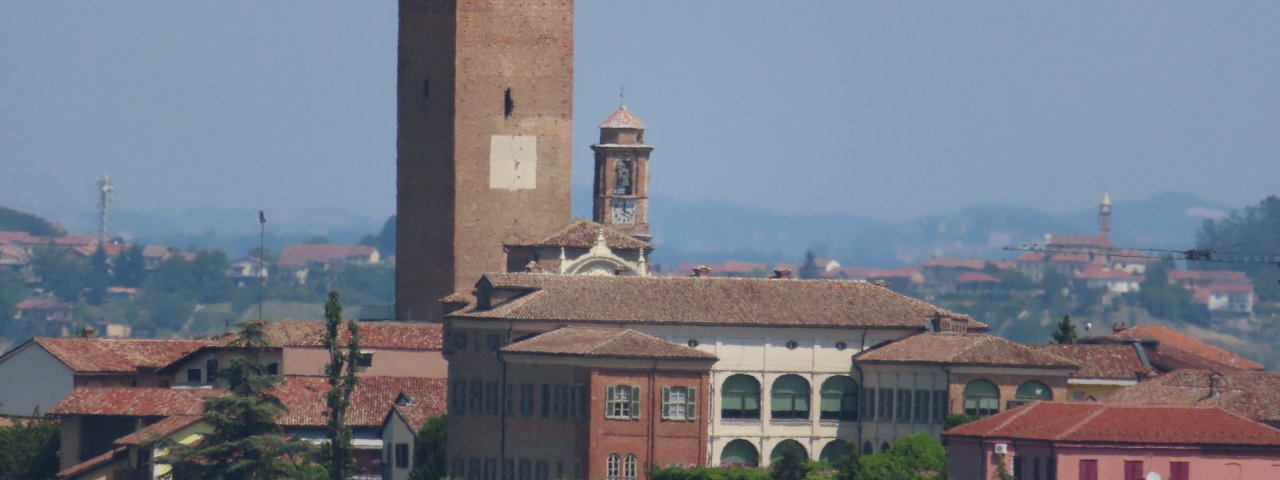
(624, 211)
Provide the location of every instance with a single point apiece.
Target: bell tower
(1104, 217)
(484, 139)
(621, 186)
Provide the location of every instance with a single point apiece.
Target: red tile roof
(301, 255)
(945, 348)
(134, 402)
(1216, 276)
(304, 399)
(1099, 272)
(1089, 422)
(604, 343)
(1069, 258)
(42, 304)
(1253, 395)
(416, 415)
(970, 264)
(19, 238)
(117, 355)
(1104, 361)
(1176, 343)
(976, 277)
(583, 234)
(382, 335)
(163, 428)
(92, 463)
(1031, 257)
(622, 118)
(710, 301)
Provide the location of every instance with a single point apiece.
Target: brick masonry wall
(1007, 384)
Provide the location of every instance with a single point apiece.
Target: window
(741, 397)
(473, 469)
(559, 470)
(981, 398)
(740, 453)
(839, 399)
(886, 405)
(922, 406)
(273, 368)
(164, 384)
(622, 402)
(490, 468)
(493, 341)
(546, 400)
(193, 375)
(365, 360)
(939, 407)
(1035, 468)
(791, 344)
(841, 346)
(867, 449)
(402, 455)
(833, 451)
(1029, 392)
(510, 399)
(867, 404)
(679, 403)
(526, 399)
(540, 470)
(613, 467)
(693, 343)
(526, 469)
(459, 341)
(1051, 469)
(904, 406)
(211, 370)
(562, 401)
(1017, 468)
(629, 467)
(790, 397)
(577, 469)
(475, 401)
(457, 467)
(491, 398)
(458, 396)
(1088, 470)
(781, 448)
(1133, 470)
(508, 469)
(576, 409)
(1179, 471)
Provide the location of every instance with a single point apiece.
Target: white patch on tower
(513, 162)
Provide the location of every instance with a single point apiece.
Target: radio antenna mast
(104, 207)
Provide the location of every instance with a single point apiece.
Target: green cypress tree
(429, 456)
(341, 371)
(1066, 332)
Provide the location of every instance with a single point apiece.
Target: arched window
(1031, 391)
(884, 446)
(981, 398)
(790, 397)
(839, 399)
(782, 447)
(629, 467)
(834, 450)
(740, 453)
(867, 449)
(613, 467)
(741, 397)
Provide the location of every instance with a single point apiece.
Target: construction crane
(1191, 255)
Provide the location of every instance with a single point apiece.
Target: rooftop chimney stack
(780, 273)
(701, 271)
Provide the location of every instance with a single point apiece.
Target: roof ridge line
(1101, 408)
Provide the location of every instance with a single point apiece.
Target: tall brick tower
(621, 187)
(483, 139)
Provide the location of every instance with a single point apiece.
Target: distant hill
(13, 220)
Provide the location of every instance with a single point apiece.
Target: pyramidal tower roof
(623, 118)
(1106, 198)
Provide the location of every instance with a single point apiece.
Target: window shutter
(608, 401)
(666, 403)
(635, 402)
(691, 410)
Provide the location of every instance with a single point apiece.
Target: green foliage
(793, 464)
(12, 291)
(809, 269)
(1013, 280)
(706, 473)
(847, 465)
(246, 442)
(1256, 229)
(1169, 301)
(130, 268)
(100, 277)
(1002, 472)
(13, 220)
(1066, 332)
(341, 371)
(60, 274)
(30, 450)
(955, 420)
(914, 457)
(430, 458)
(385, 240)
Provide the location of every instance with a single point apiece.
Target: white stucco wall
(394, 431)
(31, 377)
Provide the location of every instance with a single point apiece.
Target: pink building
(1091, 441)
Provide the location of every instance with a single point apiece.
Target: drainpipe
(653, 417)
(947, 411)
(862, 345)
(502, 446)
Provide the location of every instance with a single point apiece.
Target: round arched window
(693, 343)
(791, 344)
(841, 346)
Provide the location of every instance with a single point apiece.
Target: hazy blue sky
(880, 109)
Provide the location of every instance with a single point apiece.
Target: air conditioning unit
(1002, 448)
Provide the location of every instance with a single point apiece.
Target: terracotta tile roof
(95, 462)
(941, 262)
(708, 301)
(1069, 258)
(134, 402)
(301, 255)
(163, 428)
(583, 234)
(384, 335)
(19, 238)
(976, 277)
(1180, 347)
(941, 348)
(1031, 257)
(1216, 276)
(155, 251)
(42, 304)
(1106, 361)
(1099, 272)
(604, 343)
(1227, 287)
(622, 118)
(1253, 395)
(117, 355)
(416, 415)
(1089, 422)
(304, 397)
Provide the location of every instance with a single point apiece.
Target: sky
(886, 110)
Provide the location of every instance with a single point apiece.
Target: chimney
(532, 267)
(701, 271)
(881, 283)
(1215, 387)
(86, 332)
(781, 273)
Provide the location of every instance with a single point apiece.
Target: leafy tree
(1166, 300)
(847, 465)
(793, 465)
(920, 456)
(338, 452)
(246, 443)
(1066, 332)
(430, 459)
(954, 420)
(1013, 280)
(385, 240)
(60, 274)
(706, 473)
(1256, 229)
(30, 450)
(13, 220)
(1002, 472)
(130, 267)
(12, 291)
(810, 269)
